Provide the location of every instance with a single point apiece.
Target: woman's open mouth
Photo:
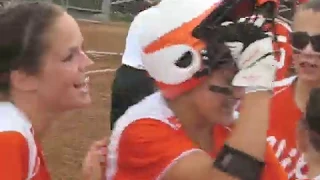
(83, 85)
(308, 67)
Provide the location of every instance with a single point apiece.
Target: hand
(252, 49)
(94, 164)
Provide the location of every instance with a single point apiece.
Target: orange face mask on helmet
(172, 42)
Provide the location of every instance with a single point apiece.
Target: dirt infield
(67, 142)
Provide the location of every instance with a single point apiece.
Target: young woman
(174, 134)
(42, 74)
(289, 102)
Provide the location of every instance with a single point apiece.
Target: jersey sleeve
(148, 147)
(13, 155)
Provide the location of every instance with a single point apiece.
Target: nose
(85, 61)
(308, 55)
(238, 92)
(308, 49)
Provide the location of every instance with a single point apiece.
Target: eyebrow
(75, 48)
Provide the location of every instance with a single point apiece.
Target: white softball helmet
(168, 39)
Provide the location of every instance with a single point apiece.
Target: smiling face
(61, 82)
(307, 60)
(217, 107)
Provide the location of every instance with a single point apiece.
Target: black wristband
(238, 164)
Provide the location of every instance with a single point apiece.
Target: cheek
(211, 103)
(297, 59)
(204, 100)
(57, 83)
(54, 89)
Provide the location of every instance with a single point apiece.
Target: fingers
(100, 149)
(90, 169)
(100, 143)
(94, 164)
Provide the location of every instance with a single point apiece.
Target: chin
(85, 103)
(309, 78)
(227, 120)
(79, 104)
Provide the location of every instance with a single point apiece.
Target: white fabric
(13, 120)
(317, 178)
(166, 18)
(285, 82)
(262, 73)
(133, 49)
(254, 72)
(161, 64)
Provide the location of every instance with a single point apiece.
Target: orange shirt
(282, 132)
(21, 157)
(148, 139)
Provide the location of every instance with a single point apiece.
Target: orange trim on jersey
(14, 155)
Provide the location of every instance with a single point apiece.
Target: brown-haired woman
(42, 74)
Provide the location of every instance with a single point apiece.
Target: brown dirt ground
(66, 143)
